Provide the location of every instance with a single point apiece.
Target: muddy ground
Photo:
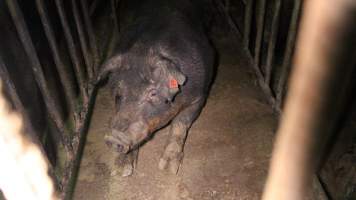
(226, 154)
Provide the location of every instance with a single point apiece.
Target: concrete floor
(226, 154)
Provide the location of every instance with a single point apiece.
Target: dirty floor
(226, 153)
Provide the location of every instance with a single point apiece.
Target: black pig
(160, 73)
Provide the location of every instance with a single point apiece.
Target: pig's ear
(170, 71)
(109, 66)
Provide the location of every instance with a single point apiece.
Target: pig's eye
(152, 94)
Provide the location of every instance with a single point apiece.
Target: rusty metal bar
(247, 23)
(320, 86)
(260, 12)
(83, 42)
(30, 50)
(63, 74)
(292, 34)
(91, 34)
(72, 50)
(272, 41)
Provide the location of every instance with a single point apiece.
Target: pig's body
(160, 72)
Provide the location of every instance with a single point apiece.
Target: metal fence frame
(79, 105)
(264, 73)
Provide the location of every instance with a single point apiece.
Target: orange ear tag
(173, 83)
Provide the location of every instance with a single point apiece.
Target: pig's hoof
(125, 165)
(127, 170)
(172, 164)
(162, 164)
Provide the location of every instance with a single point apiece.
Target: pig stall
(279, 67)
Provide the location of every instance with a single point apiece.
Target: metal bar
(91, 35)
(72, 50)
(114, 15)
(93, 6)
(228, 17)
(63, 74)
(30, 50)
(320, 86)
(83, 42)
(247, 23)
(272, 41)
(292, 34)
(260, 12)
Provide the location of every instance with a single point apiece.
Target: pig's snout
(123, 142)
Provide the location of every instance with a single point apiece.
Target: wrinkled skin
(160, 74)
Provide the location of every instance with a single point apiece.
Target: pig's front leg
(173, 153)
(127, 162)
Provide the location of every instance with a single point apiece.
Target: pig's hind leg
(173, 153)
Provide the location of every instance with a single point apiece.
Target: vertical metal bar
(114, 13)
(247, 23)
(91, 35)
(229, 19)
(272, 41)
(321, 79)
(292, 33)
(63, 74)
(93, 6)
(83, 42)
(260, 12)
(30, 50)
(72, 50)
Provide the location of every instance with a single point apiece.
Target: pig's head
(143, 89)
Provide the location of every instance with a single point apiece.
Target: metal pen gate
(269, 30)
(63, 31)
